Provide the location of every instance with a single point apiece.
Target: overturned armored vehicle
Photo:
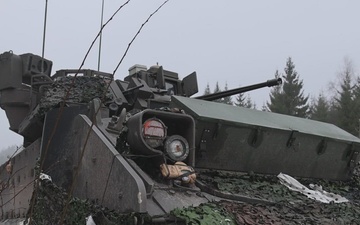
(141, 145)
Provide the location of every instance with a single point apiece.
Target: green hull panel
(242, 139)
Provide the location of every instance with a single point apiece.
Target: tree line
(341, 107)
(240, 99)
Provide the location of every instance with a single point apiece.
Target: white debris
(44, 176)
(139, 198)
(316, 193)
(90, 220)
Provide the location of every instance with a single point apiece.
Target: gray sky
(238, 42)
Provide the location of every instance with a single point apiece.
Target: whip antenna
(101, 25)
(43, 44)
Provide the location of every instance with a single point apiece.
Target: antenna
(101, 25)
(43, 44)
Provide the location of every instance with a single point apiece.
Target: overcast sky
(234, 42)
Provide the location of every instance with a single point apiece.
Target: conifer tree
(227, 99)
(217, 89)
(320, 109)
(289, 99)
(276, 99)
(207, 90)
(249, 103)
(242, 101)
(356, 105)
(343, 101)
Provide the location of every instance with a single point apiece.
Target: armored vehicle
(143, 146)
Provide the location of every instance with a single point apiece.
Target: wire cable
(44, 37)
(97, 111)
(62, 105)
(138, 32)
(68, 93)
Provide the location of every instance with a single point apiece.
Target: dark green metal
(96, 145)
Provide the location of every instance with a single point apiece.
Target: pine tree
(344, 104)
(227, 99)
(249, 103)
(356, 105)
(289, 99)
(320, 109)
(332, 114)
(244, 102)
(240, 100)
(207, 90)
(276, 99)
(217, 90)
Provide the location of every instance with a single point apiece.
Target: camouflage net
(288, 207)
(205, 214)
(83, 89)
(51, 200)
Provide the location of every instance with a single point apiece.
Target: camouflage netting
(51, 200)
(284, 206)
(83, 89)
(205, 214)
(288, 207)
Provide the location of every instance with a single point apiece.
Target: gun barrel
(214, 96)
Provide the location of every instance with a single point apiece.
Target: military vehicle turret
(139, 144)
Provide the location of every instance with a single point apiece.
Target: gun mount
(136, 145)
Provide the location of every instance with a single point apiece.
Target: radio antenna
(101, 26)
(44, 33)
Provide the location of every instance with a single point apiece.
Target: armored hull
(142, 148)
